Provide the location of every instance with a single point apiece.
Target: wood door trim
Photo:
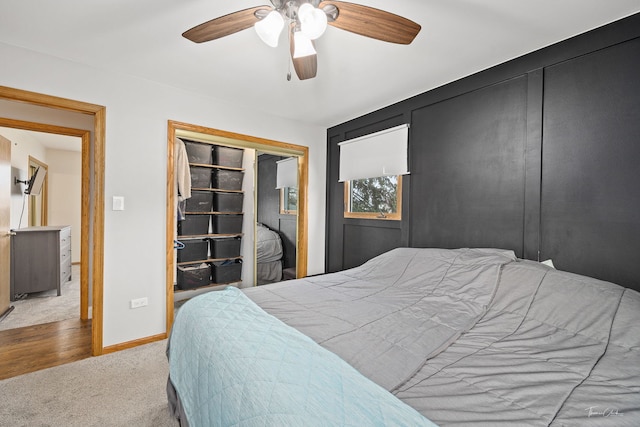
(5, 225)
(94, 205)
(240, 141)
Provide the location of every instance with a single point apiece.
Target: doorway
(33, 152)
(92, 205)
(205, 134)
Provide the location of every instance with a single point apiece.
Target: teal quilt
(233, 364)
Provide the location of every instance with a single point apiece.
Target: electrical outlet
(140, 302)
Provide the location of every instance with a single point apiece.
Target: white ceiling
(356, 75)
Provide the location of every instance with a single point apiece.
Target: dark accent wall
(540, 155)
(269, 208)
(590, 215)
(471, 164)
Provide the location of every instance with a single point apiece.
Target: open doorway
(37, 215)
(215, 136)
(22, 110)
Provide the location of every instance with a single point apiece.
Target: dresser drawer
(65, 270)
(65, 237)
(65, 253)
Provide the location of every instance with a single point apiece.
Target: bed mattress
(268, 245)
(476, 336)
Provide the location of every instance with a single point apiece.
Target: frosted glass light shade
(313, 21)
(303, 45)
(269, 28)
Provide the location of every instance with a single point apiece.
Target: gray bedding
(268, 245)
(387, 317)
(268, 255)
(476, 337)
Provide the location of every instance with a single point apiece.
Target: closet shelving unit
(212, 229)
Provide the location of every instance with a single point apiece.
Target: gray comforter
(476, 337)
(389, 316)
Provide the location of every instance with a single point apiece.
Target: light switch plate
(118, 203)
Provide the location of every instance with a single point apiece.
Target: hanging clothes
(183, 176)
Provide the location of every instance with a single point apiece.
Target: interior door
(5, 199)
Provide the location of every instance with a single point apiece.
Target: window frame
(395, 216)
(284, 211)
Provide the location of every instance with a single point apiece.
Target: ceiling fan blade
(307, 66)
(224, 25)
(375, 23)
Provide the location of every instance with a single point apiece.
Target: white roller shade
(378, 154)
(287, 173)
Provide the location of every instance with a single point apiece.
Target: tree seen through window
(374, 195)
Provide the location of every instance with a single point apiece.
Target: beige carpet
(126, 388)
(47, 306)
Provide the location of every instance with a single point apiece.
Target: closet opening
(216, 202)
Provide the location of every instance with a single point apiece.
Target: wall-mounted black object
(34, 184)
(539, 155)
(20, 176)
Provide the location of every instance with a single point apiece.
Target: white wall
(136, 162)
(65, 193)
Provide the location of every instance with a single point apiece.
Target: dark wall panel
(362, 243)
(591, 164)
(468, 169)
(268, 197)
(336, 258)
(335, 209)
(287, 228)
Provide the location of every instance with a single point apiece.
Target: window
(288, 201)
(287, 183)
(375, 198)
(371, 167)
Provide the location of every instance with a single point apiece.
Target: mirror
(277, 217)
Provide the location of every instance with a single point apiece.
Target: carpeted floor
(47, 306)
(126, 388)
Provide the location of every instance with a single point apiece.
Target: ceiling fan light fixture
(269, 28)
(306, 21)
(302, 45)
(313, 21)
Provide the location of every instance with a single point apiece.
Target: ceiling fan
(306, 21)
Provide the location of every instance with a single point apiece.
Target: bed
(412, 337)
(268, 255)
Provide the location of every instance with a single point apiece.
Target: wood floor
(36, 347)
